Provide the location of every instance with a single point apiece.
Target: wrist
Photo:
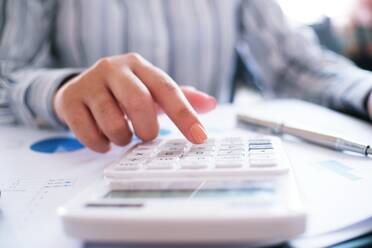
(56, 107)
(57, 98)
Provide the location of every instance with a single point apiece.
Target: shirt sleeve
(28, 76)
(289, 62)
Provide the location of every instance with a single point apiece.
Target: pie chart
(68, 144)
(57, 145)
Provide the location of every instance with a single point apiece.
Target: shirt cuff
(32, 96)
(41, 93)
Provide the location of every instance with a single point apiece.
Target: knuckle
(96, 142)
(103, 64)
(66, 93)
(123, 139)
(138, 102)
(168, 87)
(118, 132)
(75, 123)
(93, 139)
(183, 113)
(101, 148)
(134, 57)
(151, 134)
(115, 128)
(102, 104)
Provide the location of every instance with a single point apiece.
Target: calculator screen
(203, 190)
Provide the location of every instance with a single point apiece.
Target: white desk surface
(336, 187)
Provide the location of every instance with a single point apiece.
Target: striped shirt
(198, 42)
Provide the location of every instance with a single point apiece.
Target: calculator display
(204, 190)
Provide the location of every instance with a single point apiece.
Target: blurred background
(344, 26)
(306, 12)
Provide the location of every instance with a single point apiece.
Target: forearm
(292, 63)
(331, 81)
(27, 79)
(30, 94)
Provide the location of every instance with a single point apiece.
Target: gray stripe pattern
(196, 41)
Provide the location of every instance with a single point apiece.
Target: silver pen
(329, 141)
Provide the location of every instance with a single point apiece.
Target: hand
(98, 104)
(362, 13)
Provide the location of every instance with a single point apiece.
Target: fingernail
(198, 133)
(213, 101)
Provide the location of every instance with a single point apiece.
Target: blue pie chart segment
(57, 145)
(164, 132)
(69, 144)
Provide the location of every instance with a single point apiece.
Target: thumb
(200, 101)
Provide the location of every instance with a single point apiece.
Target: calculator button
(127, 166)
(227, 144)
(199, 153)
(203, 147)
(144, 149)
(263, 163)
(230, 157)
(269, 156)
(237, 141)
(174, 146)
(178, 150)
(232, 139)
(210, 141)
(231, 152)
(229, 163)
(196, 158)
(176, 142)
(235, 149)
(259, 141)
(199, 149)
(169, 154)
(194, 164)
(139, 155)
(165, 160)
(231, 146)
(261, 151)
(260, 147)
(149, 144)
(162, 163)
(138, 159)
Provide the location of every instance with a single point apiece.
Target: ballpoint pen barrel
(346, 145)
(369, 151)
(276, 127)
(326, 140)
(309, 136)
(313, 137)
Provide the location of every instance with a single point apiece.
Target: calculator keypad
(216, 155)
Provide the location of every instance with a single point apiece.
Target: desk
(35, 184)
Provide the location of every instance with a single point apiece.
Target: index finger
(171, 99)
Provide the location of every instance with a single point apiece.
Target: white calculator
(227, 190)
(225, 157)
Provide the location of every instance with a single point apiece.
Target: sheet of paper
(336, 237)
(35, 184)
(336, 187)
